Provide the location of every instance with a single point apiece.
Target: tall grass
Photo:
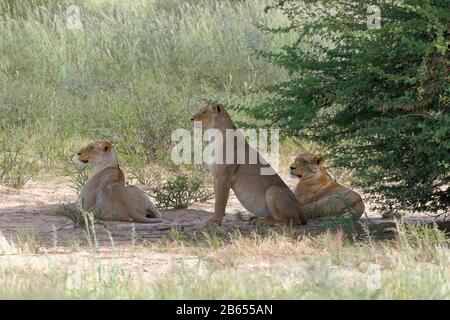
(415, 266)
(134, 72)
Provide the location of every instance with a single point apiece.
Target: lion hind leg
(268, 221)
(284, 207)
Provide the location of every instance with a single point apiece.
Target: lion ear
(320, 159)
(217, 109)
(106, 145)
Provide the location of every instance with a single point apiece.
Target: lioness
(319, 194)
(105, 190)
(265, 196)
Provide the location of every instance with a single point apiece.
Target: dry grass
(278, 265)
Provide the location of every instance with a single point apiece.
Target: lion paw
(214, 221)
(266, 222)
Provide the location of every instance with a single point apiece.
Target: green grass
(415, 266)
(136, 71)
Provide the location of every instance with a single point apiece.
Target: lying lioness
(319, 194)
(266, 196)
(105, 191)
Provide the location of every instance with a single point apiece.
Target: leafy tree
(377, 98)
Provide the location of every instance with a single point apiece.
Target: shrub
(16, 168)
(82, 218)
(180, 192)
(28, 241)
(376, 98)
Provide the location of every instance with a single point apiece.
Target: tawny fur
(106, 192)
(267, 197)
(319, 194)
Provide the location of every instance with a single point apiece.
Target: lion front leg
(222, 186)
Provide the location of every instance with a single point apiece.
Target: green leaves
(376, 99)
(180, 192)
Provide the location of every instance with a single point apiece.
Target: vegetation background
(133, 73)
(137, 70)
(370, 83)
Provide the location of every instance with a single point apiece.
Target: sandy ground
(135, 247)
(19, 213)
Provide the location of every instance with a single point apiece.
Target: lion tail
(151, 215)
(55, 209)
(136, 217)
(152, 212)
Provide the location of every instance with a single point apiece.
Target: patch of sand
(18, 212)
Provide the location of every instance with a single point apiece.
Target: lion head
(306, 163)
(209, 116)
(95, 152)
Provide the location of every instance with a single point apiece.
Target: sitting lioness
(267, 197)
(319, 194)
(105, 190)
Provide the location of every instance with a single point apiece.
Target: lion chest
(88, 194)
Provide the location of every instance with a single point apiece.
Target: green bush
(180, 192)
(16, 167)
(81, 218)
(376, 98)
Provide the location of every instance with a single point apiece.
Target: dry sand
(19, 211)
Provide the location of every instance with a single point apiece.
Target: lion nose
(192, 119)
(292, 167)
(79, 153)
